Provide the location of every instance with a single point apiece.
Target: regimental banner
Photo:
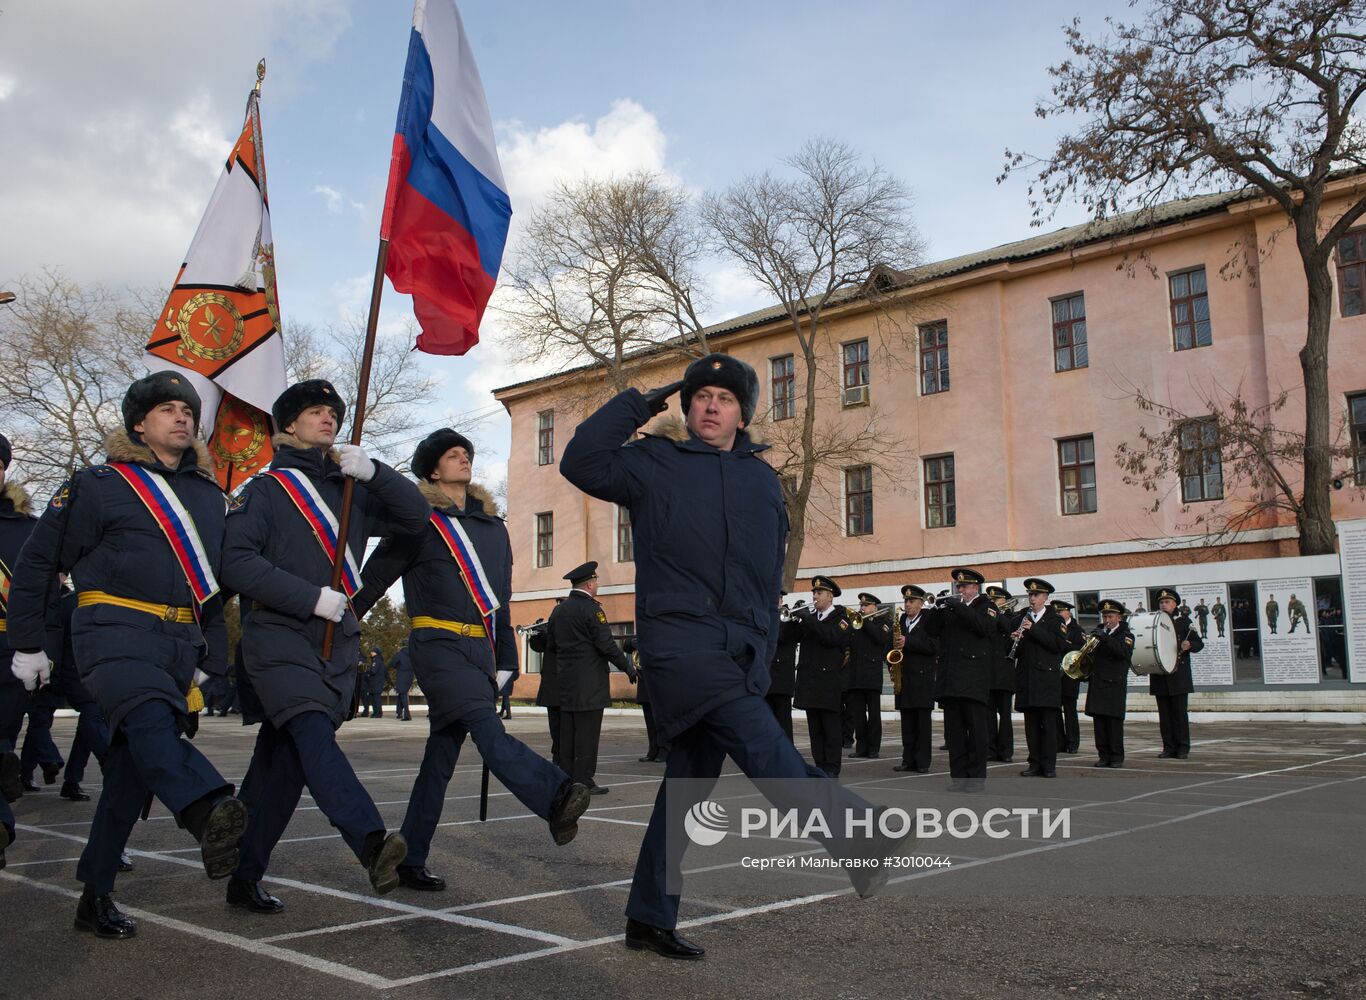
(240, 442)
(1352, 551)
(1290, 653)
(1213, 665)
(1136, 600)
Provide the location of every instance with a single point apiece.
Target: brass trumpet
(857, 620)
(535, 626)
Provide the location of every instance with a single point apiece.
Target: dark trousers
(92, 736)
(552, 718)
(146, 754)
(826, 728)
(1041, 735)
(401, 707)
(7, 817)
(654, 748)
(915, 738)
(1000, 727)
(13, 703)
(1109, 739)
(38, 747)
(374, 703)
(965, 728)
(1069, 726)
(579, 736)
(743, 729)
(846, 720)
(1173, 719)
(867, 709)
(781, 704)
(305, 752)
(528, 776)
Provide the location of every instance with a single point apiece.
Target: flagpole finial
(260, 74)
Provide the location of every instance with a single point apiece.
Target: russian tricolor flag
(446, 212)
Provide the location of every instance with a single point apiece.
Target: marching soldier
(915, 692)
(457, 587)
(823, 649)
(585, 653)
(1000, 726)
(1042, 639)
(142, 536)
(867, 655)
(1107, 690)
(403, 683)
(1172, 690)
(965, 626)
(16, 522)
(278, 555)
(548, 694)
(1069, 727)
(783, 671)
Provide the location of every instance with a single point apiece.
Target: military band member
(1069, 727)
(1000, 724)
(783, 671)
(710, 530)
(585, 652)
(1107, 690)
(16, 522)
(915, 692)
(548, 694)
(376, 678)
(655, 752)
(1038, 669)
(278, 554)
(965, 626)
(1172, 690)
(868, 657)
(403, 683)
(142, 537)
(450, 571)
(823, 648)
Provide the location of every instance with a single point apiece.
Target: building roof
(1067, 238)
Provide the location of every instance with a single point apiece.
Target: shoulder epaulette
(100, 471)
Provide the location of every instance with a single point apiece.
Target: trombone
(857, 620)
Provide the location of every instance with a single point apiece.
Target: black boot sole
(90, 928)
(384, 868)
(645, 946)
(566, 828)
(218, 843)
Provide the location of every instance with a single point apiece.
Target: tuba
(1077, 663)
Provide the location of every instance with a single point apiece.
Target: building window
(1190, 309)
(1077, 474)
(940, 505)
(1352, 273)
(856, 373)
(625, 546)
(858, 500)
(1356, 414)
(1202, 467)
(545, 437)
(783, 380)
(934, 357)
(1069, 333)
(545, 540)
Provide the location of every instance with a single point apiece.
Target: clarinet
(1015, 646)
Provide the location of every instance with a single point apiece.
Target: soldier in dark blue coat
(965, 626)
(1173, 690)
(403, 683)
(148, 625)
(1107, 692)
(15, 525)
(375, 680)
(458, 663)
(1038, 672)
(710, 529)
(274, 557)
(913, 681)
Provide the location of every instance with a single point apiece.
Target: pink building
(1008, 380)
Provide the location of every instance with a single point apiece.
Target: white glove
(200, 678)
(355, 463)
(500, 678)
(29, 667)
(331, 604)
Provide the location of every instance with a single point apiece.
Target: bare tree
(1224, 93)
(67, 355)
(813, 240)
(606, 273)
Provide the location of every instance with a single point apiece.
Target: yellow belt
(2, 625)
(459, 628)
(166, 612)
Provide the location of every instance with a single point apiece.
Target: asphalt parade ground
(1240, 872)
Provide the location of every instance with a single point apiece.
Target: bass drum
(1155, 647)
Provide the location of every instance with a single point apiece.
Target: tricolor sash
(4, 588)
(176, 524)
(320, 518)
(471, 569)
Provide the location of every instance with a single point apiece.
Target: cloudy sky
(116, 118)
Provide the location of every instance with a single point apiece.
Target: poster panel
(1290, 654)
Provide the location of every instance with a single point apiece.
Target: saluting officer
(915, 695)
(1069, 727)
(1038, 689)
(16, 522)
(1173, 689)
(965, 626)
(585, 653)
(1000, 722)
(148, 625)
(1107, 690)
(868, 656)
(783, 671)
(823, 651)
(457, 587)
(278, 555)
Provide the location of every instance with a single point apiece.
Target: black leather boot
(570, 802)
(11, 784)
(383, 855)
(218, 826)
(71, 790)
(669, 943)
(100, 916)
(417, 877)
(250, 896)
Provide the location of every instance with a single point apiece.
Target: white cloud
(8, 85)
(331, 195)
